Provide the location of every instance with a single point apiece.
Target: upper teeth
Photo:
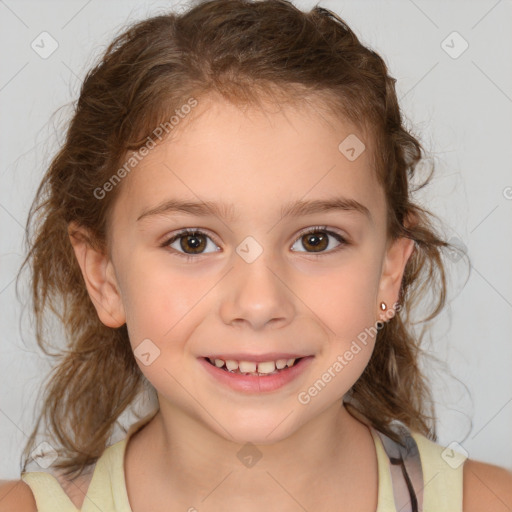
(251, 366)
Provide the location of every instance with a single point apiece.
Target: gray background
(459, 107)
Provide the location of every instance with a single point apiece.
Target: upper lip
(257, 358)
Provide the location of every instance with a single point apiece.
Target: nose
(257, 294)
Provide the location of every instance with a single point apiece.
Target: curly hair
(244, 50)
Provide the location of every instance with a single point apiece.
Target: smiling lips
(261, 374)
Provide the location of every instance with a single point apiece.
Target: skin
(287, 300)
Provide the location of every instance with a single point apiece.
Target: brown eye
(190, 242)
(194, 242)
(317, 240)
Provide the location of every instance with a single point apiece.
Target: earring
(380, 323)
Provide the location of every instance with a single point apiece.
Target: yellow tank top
(442, 482)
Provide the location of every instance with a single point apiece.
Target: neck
(190, 460)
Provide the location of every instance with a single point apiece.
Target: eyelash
(316, 229)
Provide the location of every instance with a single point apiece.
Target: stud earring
(380, 323)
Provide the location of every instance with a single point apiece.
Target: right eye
(191, 242)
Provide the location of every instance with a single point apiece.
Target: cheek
(158, 303)
(161, 315)
(346, 313)
(344, 298)
(345, 302)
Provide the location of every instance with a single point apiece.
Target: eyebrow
(225, 211)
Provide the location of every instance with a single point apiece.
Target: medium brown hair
(244, 51)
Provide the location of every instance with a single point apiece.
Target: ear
(395, 260)
(99, 276)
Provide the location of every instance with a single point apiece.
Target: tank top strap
(48, 493)
(108, 485)
(101, 486)
(405, 468)
(443, 474)
(425, 476)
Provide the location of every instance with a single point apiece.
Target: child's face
(256, 285)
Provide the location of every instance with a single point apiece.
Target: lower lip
(256, 383)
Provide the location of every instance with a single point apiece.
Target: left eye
(318, 239)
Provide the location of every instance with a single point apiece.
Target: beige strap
(49, 495)
(405, 468)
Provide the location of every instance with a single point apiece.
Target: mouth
(255, 376)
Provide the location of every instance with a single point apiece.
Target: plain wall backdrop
(453, 65)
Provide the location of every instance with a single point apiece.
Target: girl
(230, 226)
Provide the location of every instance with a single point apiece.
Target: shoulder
(16, 496)
(486, 487)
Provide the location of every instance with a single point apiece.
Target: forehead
(254, 160)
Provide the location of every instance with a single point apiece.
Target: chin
(259, 428)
